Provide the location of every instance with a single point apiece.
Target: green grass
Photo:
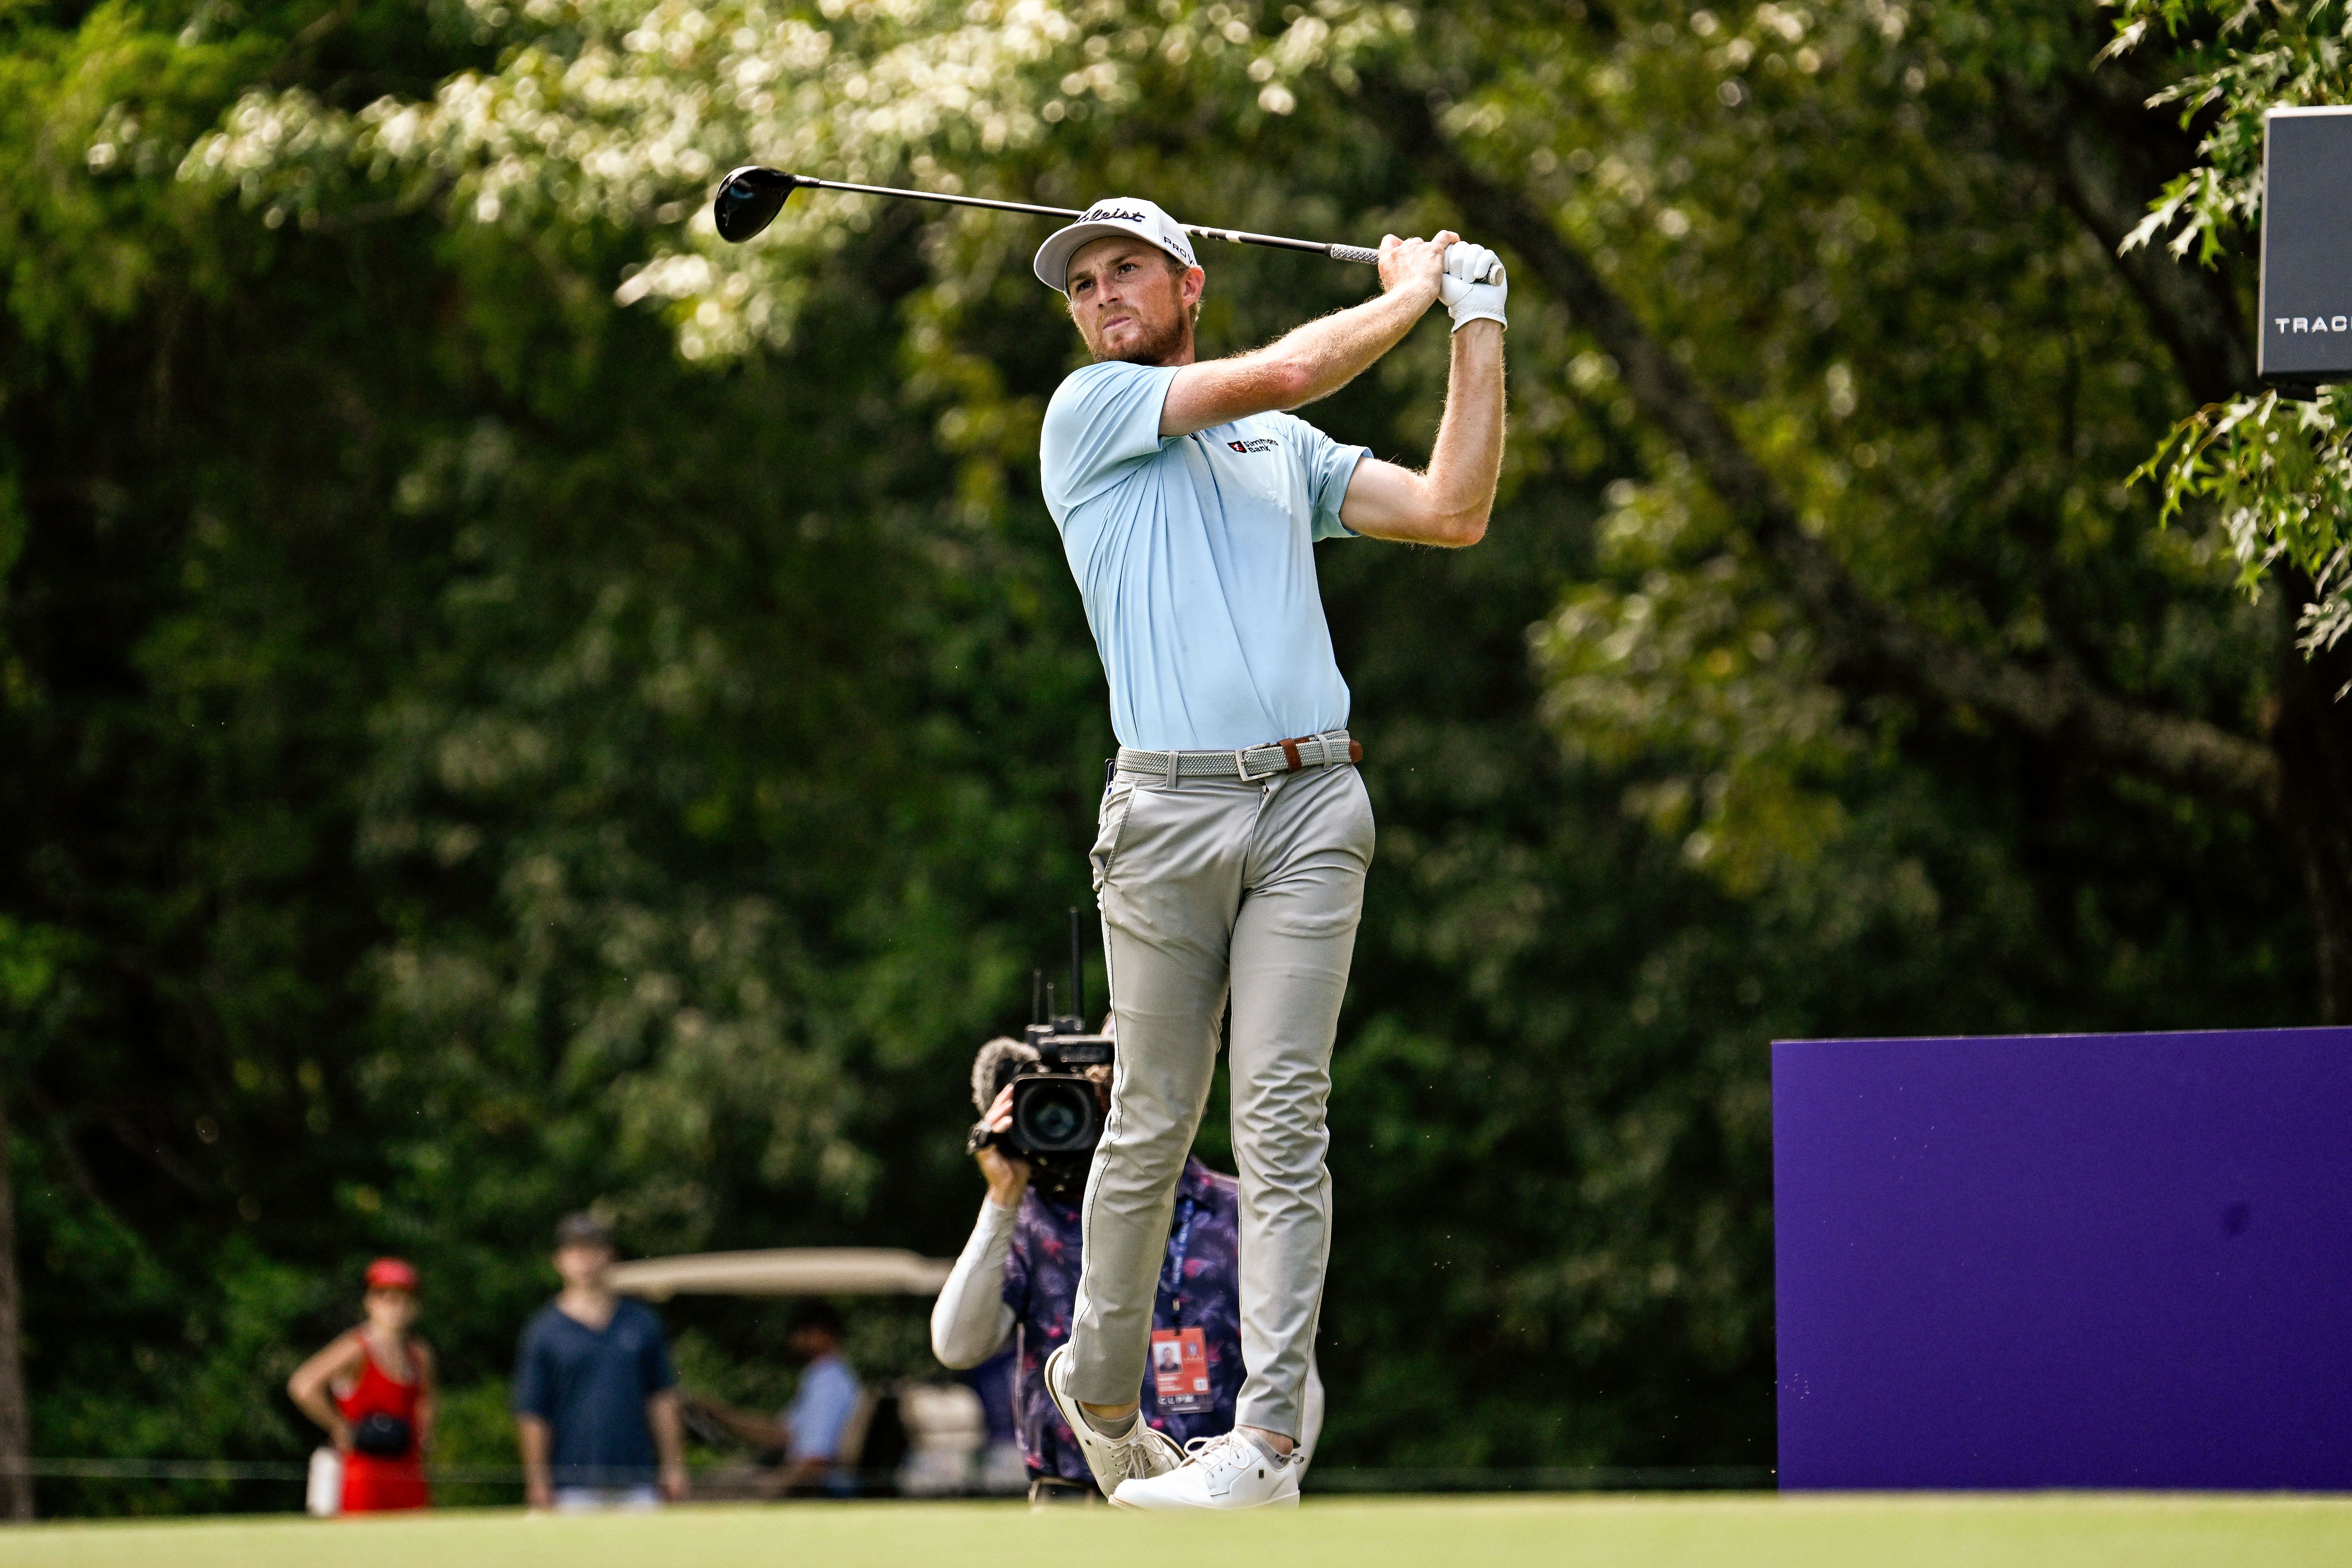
(2077, 1531)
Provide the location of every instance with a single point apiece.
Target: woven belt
(1249, 763)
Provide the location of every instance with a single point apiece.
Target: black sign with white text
(2306, 325)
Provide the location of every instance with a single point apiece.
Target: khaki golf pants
(1213, 889)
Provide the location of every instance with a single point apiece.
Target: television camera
(1057, 1109)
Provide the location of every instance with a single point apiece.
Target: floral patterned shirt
(1200, 1289)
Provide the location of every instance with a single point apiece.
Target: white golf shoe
(1230, 1471)
(1116, 1461)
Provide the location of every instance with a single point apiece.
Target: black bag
(383, 1436)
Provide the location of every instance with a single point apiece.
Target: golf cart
(914, 1437)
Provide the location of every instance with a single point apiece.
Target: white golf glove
(1465, 299)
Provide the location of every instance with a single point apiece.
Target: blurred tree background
(507, 704)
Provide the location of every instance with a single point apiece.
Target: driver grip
(1358, 253)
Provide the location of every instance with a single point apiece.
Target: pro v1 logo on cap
(1112, 216)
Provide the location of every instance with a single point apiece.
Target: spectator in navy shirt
(1017, 1279)
(595, 1399)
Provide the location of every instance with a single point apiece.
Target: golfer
(1235, 834)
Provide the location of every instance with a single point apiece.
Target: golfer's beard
(1150, 350)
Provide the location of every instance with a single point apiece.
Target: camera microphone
(1057, 1109)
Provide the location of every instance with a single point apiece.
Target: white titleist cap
(1131, 215)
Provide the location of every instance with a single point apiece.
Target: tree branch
(1859, 632)
(2111, 158)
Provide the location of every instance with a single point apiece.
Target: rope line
(1339, 1478)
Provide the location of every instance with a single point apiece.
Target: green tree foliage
(511, 704)
(2278, 471)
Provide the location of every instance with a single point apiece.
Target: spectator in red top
(372, 1389)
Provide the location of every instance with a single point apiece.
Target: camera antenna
(1037, 996)
(1077, 973)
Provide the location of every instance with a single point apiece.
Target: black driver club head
(749, 200)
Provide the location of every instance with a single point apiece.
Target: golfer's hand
(339, 1435)
(1467, 300)
(1007, 1177)
(1413, 266)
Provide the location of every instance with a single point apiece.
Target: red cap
(391, 1274)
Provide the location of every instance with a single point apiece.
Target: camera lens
(1054, 1115)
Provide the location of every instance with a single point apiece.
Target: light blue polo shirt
(820, 1408)
(1196, 557)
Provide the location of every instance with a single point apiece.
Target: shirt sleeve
(534, 1391)
(1330, 467)
(1102, 420)
(972, 1320)
(654, 1362)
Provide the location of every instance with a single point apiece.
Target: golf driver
(750, 197)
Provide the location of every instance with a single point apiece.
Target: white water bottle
(325, 1498)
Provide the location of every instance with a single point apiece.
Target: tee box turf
(2306, 325)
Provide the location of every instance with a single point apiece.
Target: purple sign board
(2065, 1260)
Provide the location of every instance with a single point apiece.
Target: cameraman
(1017, 1278)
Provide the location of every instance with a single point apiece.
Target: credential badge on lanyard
(1179, 1357)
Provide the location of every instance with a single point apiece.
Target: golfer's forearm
(1447, 503)
(1303, 364)
(1467, 460)
(1326, 354)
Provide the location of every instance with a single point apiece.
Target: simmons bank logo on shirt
(1262, 444)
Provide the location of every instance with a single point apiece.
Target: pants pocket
(1110, 822)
